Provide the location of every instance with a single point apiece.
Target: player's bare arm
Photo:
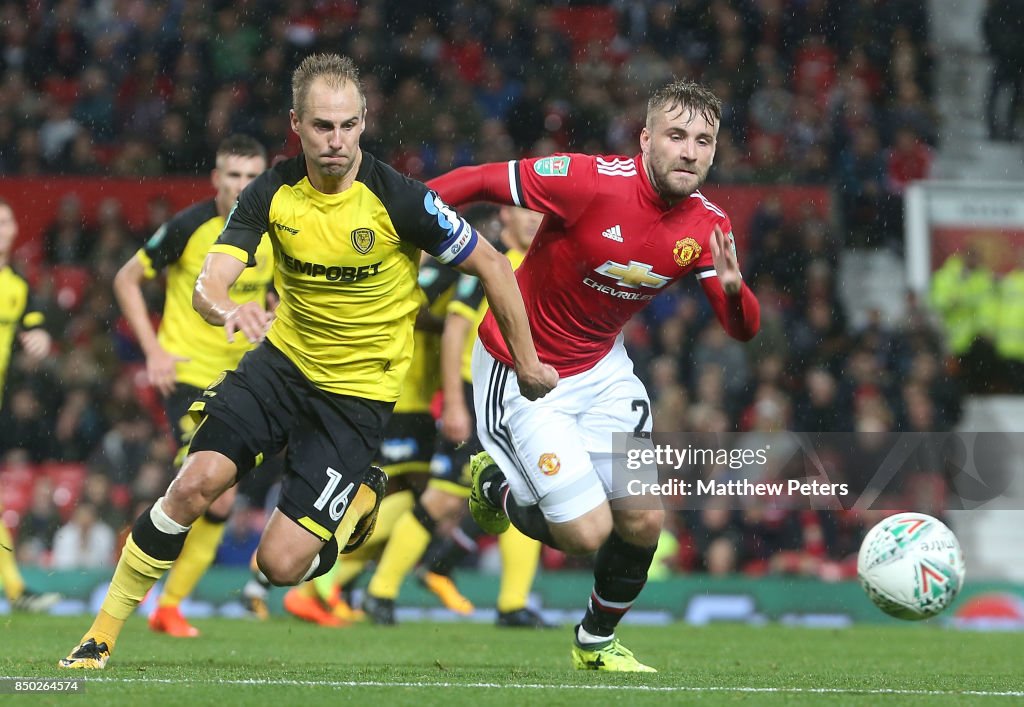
(160, 363)
(212, 300)
(456, 423)
(536, 379)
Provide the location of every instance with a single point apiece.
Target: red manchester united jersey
(608, 246)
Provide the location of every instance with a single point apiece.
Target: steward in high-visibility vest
(1010, 329)
(965, 295)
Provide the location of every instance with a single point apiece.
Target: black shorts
(176, 407)
(408, 443)
(449, 467)
(331, 439)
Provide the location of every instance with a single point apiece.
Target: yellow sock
(10, 577)
(136, 573)
(308, 589)
(520, 556)
(350, 566)
(392, 508)
(323, 586)
(105, 629)
(408, 542)
(195, 558)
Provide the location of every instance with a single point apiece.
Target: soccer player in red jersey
(618, 231)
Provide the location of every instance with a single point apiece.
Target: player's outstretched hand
(723, 254)
(537, 382)
(250, 319)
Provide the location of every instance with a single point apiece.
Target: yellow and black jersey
(181, 245)
(346, 269)
(16, 313)
(437, 285)
(468, 301)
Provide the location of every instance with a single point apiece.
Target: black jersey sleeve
(250, 218)
(167, 244)
(421, 217)
(435, 280)
(469, 294)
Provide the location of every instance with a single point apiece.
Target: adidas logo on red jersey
(613, 234)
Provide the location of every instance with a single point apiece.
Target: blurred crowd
(815, 92)
(820, 91)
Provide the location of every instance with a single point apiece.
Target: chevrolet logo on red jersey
(633, 275)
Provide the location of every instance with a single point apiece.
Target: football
(911, 566)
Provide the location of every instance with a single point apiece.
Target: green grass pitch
(284, 662)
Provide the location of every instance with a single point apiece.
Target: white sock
(585, 638)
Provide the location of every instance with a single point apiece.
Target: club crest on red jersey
(686, 251)
(555, 166)
(549, 464)
(362, 240)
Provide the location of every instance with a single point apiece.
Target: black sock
(328, 556)
(494, 484)
(449, 553)
(620, 572)
(529, 520)
(423, 517)
(153, 541)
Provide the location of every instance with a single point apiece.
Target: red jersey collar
(647, 189)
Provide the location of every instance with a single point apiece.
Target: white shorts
(565, 451)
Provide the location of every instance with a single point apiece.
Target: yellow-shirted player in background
(404, 455)
(187, 354)
(443, 504)
(18, 321)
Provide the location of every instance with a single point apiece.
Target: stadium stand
(815, 97)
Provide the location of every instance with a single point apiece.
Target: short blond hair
(335, 69)
(686, 95)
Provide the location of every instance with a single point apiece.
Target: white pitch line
(533, 686)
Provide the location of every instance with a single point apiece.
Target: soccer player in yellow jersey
(187, 353)
(444, 502)
(347, 232)
(404, 455)
(20, 322)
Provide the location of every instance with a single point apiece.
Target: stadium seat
(16, 489)
(67, 480)
(585, 24)
(69, 284)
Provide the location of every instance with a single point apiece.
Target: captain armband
(458, 245)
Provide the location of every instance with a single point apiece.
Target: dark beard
(667, 195)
